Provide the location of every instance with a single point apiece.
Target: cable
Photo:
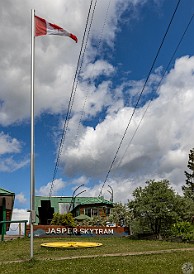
(92, 17)
(161, 80)
(140, 96)
(87, 93)
(69, 108)
(83, 54)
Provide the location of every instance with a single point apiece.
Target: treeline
(156, 208)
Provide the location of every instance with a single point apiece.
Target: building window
(77, 213)
(88, 212)
(108, 211)
(94, 212)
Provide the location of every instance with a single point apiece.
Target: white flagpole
(32, 186)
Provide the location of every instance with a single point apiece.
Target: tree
(156, 206)
(188, 189)
(184, 230)
(120, 214)
(63, 219)
(97, 220)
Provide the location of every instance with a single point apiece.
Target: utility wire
(139, 97)
(92, 17)
(87, 93)
(76, 79)
(159, 85)
(65, 126)
(83, 55)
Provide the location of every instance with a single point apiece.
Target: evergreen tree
(188, 189)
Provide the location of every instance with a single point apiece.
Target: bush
(183, 230)
(65, 219)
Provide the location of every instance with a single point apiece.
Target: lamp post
(111, 192)
(73, 196)
(76, 196)
(77, 189)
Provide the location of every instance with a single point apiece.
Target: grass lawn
(46, 260)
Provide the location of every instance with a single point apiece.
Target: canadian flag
(42, 27)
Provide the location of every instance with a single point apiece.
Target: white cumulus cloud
(44, 190)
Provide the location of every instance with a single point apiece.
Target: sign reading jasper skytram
(77, 230)
(62, 231)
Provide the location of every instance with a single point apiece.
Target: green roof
(77, 200)
(95, 200)
(6, 192)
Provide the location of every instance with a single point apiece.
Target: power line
(83, 54)
(140, 95)
(161, 80)
(70, 104)
(87, 93)
(75, 84)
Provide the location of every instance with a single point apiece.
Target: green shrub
(185, 230)
(65, 219)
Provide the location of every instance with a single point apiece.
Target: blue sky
(111, 78)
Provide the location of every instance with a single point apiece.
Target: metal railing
(3, 230)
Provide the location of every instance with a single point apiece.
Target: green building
(90, 206)
(6, 207)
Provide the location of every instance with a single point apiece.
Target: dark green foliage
(97, 220)
(184, 230)
(63, 219)
(188, 189)
(156, 207)
(120, 214)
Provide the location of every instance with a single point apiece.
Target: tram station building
(45, 207)
(6, 207)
